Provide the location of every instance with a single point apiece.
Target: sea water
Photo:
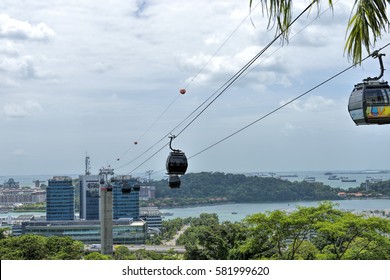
(238, 211)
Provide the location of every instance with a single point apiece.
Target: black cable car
(369, 102)
(174, 181)
(126, 187)
(136, 187)
(176, 162)
(176, 165)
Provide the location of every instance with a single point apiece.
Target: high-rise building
(125, 203)
(60, 199)
(147, 192)
(89, 197)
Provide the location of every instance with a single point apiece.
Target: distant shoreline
(269, 202)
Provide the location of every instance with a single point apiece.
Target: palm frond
(367, 22)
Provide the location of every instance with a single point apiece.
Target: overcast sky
(93, 77)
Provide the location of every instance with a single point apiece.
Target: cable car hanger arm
(170, 143)
(378, 55)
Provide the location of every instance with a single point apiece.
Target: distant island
(206, 188)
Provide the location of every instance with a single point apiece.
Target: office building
(60, 199)
(152, 216)
(147, 192)
(125, 231)
(125, 204)
(89, 197)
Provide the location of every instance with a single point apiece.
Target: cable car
(109, 187)
(174, 181)
(136, 187)
(126, 188)
(176, 163)
(369, 102)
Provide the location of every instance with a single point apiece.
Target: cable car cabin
(136, 187)
(369, 103)
(176, 163)
(174, 181)
(126, 188)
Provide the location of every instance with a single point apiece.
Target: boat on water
(234, 213)
(166, 214)
(333, 177)
(289, 175)
(309, 179)
(348, 180)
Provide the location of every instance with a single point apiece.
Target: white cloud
(21, 110)
(312, 103)
(22, 30)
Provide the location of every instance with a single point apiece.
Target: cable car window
(372, 96)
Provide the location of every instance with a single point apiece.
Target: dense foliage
(216, 187)
(309, 233)
(35, 247)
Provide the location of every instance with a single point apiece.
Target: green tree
(64, 248)
(204, 243)
(315, 233)
(123, 253)
(349, 236)
(275, 231)
(97, 256)
(25, 247)
(366, 24)
(35, 247)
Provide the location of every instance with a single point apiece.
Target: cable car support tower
(106, 216)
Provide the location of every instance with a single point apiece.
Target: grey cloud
(19, 67)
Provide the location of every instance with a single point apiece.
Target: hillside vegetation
(216, 187)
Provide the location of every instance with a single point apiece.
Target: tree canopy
(309, 233)
(217, 187)
(35, 247)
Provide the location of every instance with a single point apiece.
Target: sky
(92, 78)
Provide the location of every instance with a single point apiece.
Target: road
(156, 248)
(172, 242)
